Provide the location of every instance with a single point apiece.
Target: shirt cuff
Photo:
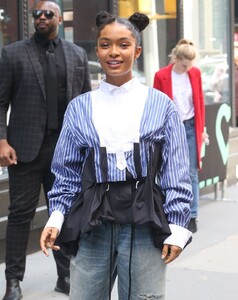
(179, 237)
(56, 220)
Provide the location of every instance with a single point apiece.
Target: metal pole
(150, 48)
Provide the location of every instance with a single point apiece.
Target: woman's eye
(124, 45)
(104, 45)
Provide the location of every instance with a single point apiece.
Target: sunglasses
(37, 13)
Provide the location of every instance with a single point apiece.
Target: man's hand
(170, 253)
(7, 154)
(47, 239)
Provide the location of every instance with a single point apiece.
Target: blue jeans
(193, 159)
(90, 269)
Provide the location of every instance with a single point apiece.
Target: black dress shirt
(42, 45)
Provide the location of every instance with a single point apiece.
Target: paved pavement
(206, 270)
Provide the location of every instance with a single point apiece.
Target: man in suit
(28, 142)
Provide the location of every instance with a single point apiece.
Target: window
(207, 23)
(8, 22)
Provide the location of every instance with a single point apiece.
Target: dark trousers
(25, 180)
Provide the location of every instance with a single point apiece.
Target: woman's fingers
(47, 239)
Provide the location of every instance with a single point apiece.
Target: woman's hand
(47, 239)
(205, 138)
(170, 253)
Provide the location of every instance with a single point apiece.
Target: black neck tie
(51, 88)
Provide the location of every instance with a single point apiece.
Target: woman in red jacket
(181, 81)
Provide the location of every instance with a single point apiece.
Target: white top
(183, 95)
(116, 135)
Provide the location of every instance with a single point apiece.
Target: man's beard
(44, 34)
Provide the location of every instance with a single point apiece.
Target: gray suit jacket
(22, 88)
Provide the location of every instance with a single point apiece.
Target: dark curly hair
(136, 23)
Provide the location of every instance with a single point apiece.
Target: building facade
(209, 23)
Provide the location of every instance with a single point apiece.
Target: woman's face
(182, 65)
(116, 50)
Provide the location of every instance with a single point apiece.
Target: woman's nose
(114, 51)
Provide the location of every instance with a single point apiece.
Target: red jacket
(163, 82)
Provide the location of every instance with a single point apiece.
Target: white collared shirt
(117, 113)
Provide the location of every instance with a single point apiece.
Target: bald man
(27, 144)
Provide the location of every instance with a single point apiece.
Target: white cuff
(56, 220)
(179, 236)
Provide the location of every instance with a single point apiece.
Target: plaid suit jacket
(22, 88)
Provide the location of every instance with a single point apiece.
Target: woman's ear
(138, 52)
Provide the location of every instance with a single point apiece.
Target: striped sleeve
(174, 178)
(161, 123)
(67, 165)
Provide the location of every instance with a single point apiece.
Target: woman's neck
(177, 70)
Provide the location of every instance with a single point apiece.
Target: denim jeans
(193, 160)
(107, 249)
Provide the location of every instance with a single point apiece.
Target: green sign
(215, 155)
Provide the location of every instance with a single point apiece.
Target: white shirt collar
(125, 88)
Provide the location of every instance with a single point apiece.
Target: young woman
(182, 82)
(115, 142)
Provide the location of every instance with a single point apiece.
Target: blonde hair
(172, 56)
(185, 49)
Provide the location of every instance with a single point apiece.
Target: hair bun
(103, 17)
(140, 21)
(185, 42)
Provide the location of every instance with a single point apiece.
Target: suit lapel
(69, 68)
(32, 51)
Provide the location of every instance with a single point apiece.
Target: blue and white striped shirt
(159, 123)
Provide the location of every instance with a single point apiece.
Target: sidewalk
(206, 270)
